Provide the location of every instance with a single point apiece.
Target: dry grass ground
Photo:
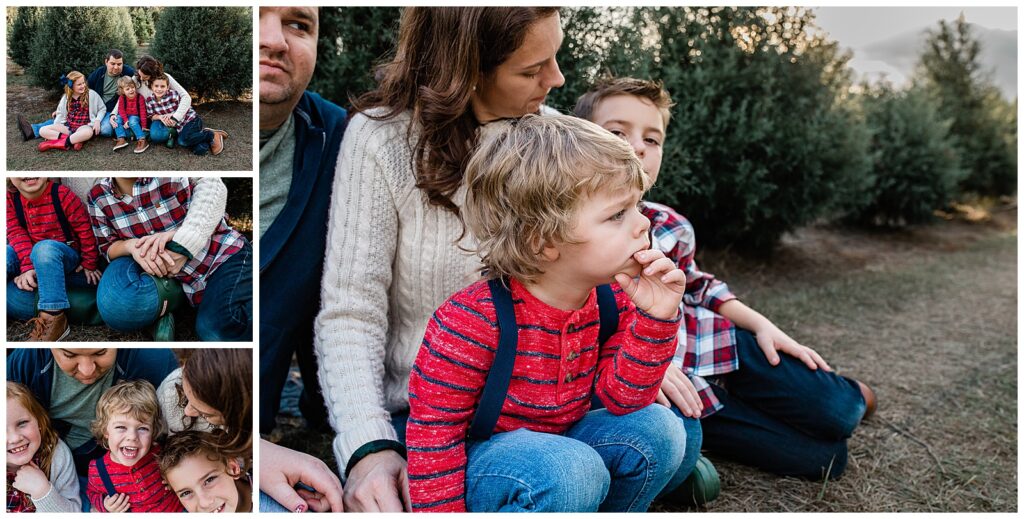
(233, 116)
(928, 317)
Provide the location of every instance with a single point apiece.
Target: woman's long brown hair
(442, 53)
(222, 379)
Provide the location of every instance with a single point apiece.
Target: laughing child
(552, 202)
(40, 471)
(202, 476)
(127, 477)
(131, 113)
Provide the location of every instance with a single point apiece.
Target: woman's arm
(186, 100)
(205, 211)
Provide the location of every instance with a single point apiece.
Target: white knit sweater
(63, 495)
(390, 262)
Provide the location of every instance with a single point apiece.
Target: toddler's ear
(234, 469)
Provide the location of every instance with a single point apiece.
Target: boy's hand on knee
(660, 286)
(676, 389)
(117, 503)
(773, 340)
(91, 276)
(26, 280)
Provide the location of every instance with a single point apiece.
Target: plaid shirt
(158, 205)
(18, 501)
(167, 105)
(78, 114)
(709, 345)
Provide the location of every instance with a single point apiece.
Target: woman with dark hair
(397, 246)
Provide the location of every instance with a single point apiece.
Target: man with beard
(300, 136)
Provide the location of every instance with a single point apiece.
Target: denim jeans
(126, 296)
(604, 463)
(225, 313)
(134, 123)
(106, 130)
(268, 505)
(36, 127)
(55, 265)
(158, 133)
(785, 419)
(193, 136)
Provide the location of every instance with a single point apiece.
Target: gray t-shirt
(109, 87)
(277, 154)
(75, 403)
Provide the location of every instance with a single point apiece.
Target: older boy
(204, 479)
(190, 132)
(779, 413)
(553, 204)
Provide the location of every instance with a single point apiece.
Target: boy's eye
(652, 141)
(618, 216)
(618, 133)
(184, 494)
(210, 480)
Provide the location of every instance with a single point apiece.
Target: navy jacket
(95, 81)
(292, 251)
(34, 367)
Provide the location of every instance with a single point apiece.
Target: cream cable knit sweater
(390, 262)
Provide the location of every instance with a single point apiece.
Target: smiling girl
(40, 470)
(79, 116)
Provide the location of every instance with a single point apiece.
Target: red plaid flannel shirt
(158, 205)
(167, 105)
(17, 501)
(43, 225)
(709, 345)
(78, 114)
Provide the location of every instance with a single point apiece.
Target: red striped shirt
(43, 225)
(142, 482)
(553, 379)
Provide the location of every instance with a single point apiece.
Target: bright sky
(855, 27)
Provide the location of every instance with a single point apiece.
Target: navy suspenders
(65, 225)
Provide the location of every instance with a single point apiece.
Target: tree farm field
(234, 116)
(928, 318)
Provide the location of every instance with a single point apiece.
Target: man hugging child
(553, 203)
(127, 477)
(202, 476)
(131, 113)
(189, 132)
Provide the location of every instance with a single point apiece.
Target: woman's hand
(155, 267)
(26, 280)
(676, 389)
(117, 503)
(31, 480)
(154, 244)
(282, 468)
(660, 287)
(379, 483)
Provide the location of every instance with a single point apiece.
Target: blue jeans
(785, 419)
(126, 296)
(55, 264)
(105, 129)
(268, 505)
(36, 127)
(193, 136)
(134, 123)
(158, 133)
(225, 313)
(604, 463)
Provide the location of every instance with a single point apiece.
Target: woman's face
(197, 408)
(519, 85)
(142, 75)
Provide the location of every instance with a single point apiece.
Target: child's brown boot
(49, 327)
(217, 145)
(870, 400)
(141, 145)
(121, 143)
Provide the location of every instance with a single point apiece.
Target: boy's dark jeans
(225, 313)
(786, 419)
(193, 136)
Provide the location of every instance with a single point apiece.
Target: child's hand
(676, 389)
(125, 125)
(31, 480)
(772, 340)
(26, 280)
(117, 503)
(96, 127)
(113, 119)
(660, 287)
(53, 115)
(152, 267)
(91, 276)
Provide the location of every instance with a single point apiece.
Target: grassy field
(233, 116)
(928, 318)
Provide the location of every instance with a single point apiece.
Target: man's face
(287, 52)
(85, 365)
(114, 66)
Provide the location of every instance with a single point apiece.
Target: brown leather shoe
(141, 145)
(49, 328)
(26, 128)
(870, 400)
(218, 143)
(121, 143)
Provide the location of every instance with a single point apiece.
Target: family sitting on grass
(145, 104)
(143, 243)
(87, 430)
(579, 361)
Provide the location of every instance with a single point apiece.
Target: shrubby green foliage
(952, 73)
(207, 49)
(916, 167)
(142, 21)
(352, 41)
(78, 38)
(20, 32)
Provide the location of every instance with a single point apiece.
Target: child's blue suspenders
(101, 467)
(500, 374)
(65, 226)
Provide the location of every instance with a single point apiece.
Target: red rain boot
(59, 143)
